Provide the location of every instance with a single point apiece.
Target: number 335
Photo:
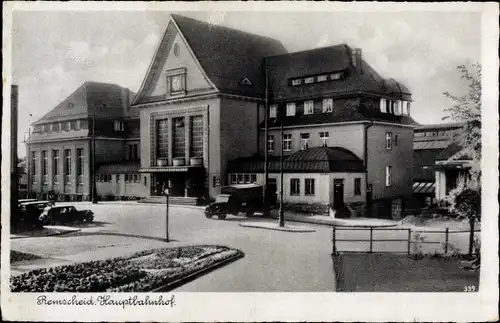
(471, 288)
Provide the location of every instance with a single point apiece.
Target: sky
(54, 52)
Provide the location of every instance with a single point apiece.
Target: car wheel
(222, 216)
(208, 215)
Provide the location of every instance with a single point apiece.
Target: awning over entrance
(169, 169)
(424, 187)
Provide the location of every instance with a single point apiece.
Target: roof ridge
(174, 16)
(311, 50)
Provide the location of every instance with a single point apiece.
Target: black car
(236, 199)
(65, 214)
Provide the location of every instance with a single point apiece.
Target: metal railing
(408, 240)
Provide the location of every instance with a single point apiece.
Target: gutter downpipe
(365, 134)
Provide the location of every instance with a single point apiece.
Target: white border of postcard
(481, 306)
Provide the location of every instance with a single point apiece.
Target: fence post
(409, 241)
(371, 239)
(447, 232)
(334, 247)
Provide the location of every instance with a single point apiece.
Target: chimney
(356, 59)
(125, 100)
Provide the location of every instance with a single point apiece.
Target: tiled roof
(454, 125)
(325, 60)
(228, 55)
(312, 160)
(107, 99)
(40, 137)
(450, 151)
(129, 167)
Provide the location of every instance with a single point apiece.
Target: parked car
(65, 214)
(236, 199)
(29, 213)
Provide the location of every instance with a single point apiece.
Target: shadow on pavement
(95, 224)
(119, 234)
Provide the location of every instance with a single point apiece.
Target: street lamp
(166, 215)
(281, 215)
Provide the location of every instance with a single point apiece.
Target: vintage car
(29, 212)
(65, 214)
(236, 199)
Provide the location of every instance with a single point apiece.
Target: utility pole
(282, 184)
(94, 189)
(28, 157)
(167, 239)
(266, 148)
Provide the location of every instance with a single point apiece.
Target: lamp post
(266, 148)
(94, 188)
(28, 157)
(166, 216)
(281, 215)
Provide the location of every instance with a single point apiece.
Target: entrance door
(338, 194)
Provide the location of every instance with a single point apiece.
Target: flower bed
(142, 272)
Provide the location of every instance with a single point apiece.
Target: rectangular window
(270, 143)
(388, 175)
(118, 126)
(240, 178)
(383, 107)
(68, 125)
(388, 106)
(296, 82)
(109, 178)
(290, 109)
(323, 137)
(357, 186)
(55, 165)
(309, 80)
(408, 108)
(294, 186)
(247, 178)
(308, 107)
(335, 76)
(126, 178)
(397, 108)
(136, 179)
(179, 138)
(396, 140)
(79, 165)
(327, 105)
(304, 141)
(233, 179)
(273, 111)
(162, 138)
(310, 188)
(322, 78)
(196, 145)
(78, 125)
(45, 167)
(67, 165)
(33, 166)
(388, 140)
(253, 178)
(287, 142)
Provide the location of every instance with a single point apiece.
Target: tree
(466, 199)
(467, 110)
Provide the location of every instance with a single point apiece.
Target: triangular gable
(246, 81)
(154, 86)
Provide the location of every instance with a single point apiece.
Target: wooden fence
(407, 240)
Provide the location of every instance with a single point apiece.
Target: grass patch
(388, 272)
(142, 272)
(17, 256)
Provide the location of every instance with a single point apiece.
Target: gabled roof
(108, 100)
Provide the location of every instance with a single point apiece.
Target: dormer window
(273, 111)
(322, 78)
(68, 125)
(309, 80)
(397, 107)
(296, 82)
(308, 107)
(335, 76)
(383, 107)
(290, 109)
(70, 105)
(176, 81)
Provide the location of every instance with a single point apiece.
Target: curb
(183, 280)
(60, 233)
(284, 229)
